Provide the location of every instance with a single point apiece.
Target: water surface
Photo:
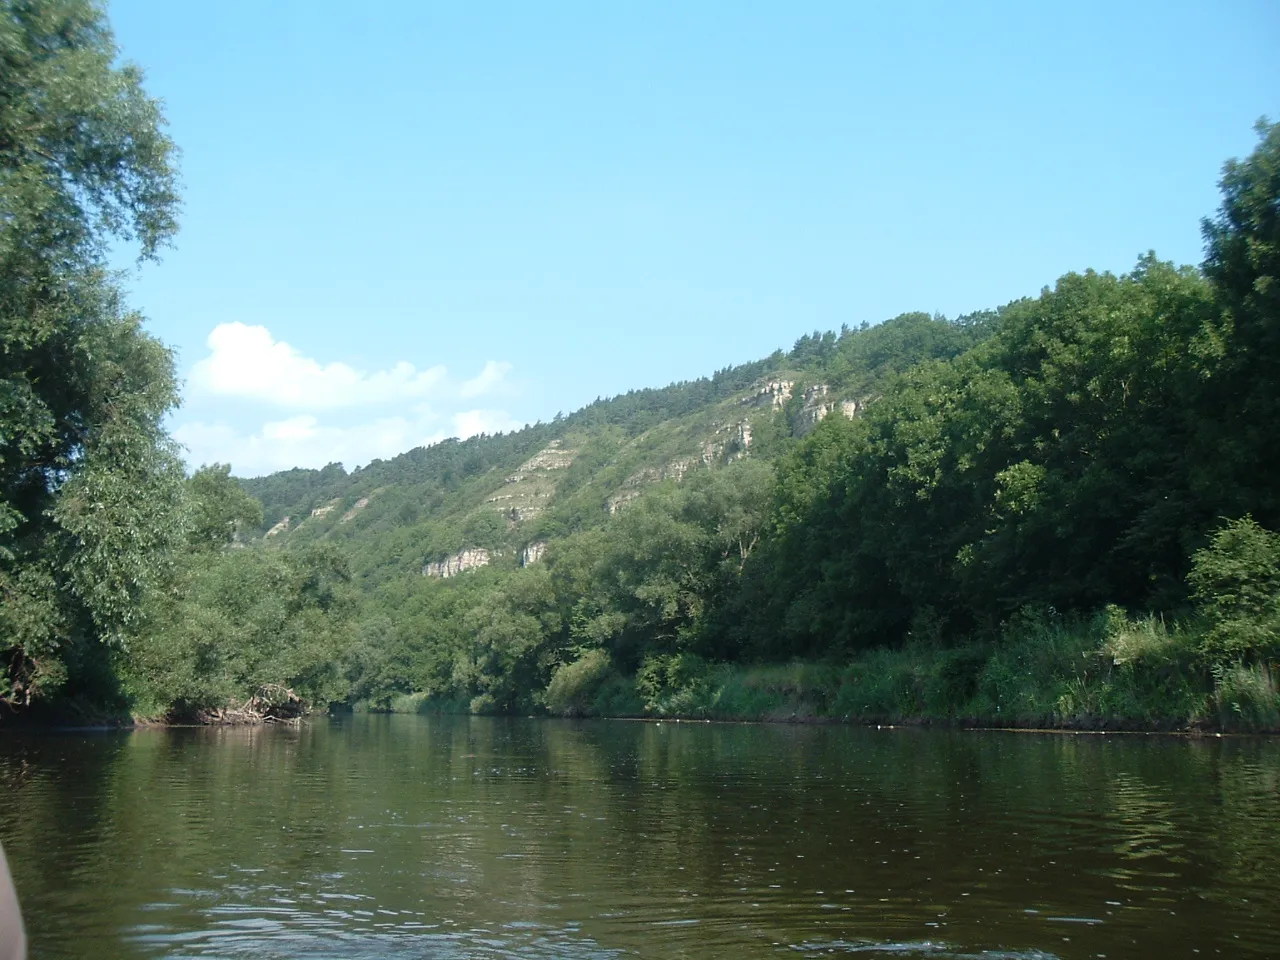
(409, 837)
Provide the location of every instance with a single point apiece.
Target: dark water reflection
(409, 837)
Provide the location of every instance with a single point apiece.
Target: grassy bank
(1106, 672)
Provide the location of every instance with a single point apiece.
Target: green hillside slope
(502, 494)
(1056, 512)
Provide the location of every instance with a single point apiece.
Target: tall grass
(1040, 670)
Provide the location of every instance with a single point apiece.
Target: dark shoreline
(51, 725)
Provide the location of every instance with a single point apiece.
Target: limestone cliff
(525, 493)
(772, 393)
(355, 508)
(533, 552)
(817, 404)
(463, 560)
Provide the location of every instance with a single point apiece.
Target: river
(416, 837)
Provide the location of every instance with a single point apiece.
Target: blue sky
(410, 220)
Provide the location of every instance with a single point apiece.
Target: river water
(400, 837)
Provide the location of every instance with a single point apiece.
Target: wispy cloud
(332, 409)
(468, 423)
(306, 441)
(491, 377)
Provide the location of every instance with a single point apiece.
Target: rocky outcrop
(355, 508)
(525, 493)
(620, 500)
(466, 559)
(817, 405)
(552, 457)
(728, 442)
(731, 442)
(676, 469)
(327, 509)
(772, 393)
(533, 552)
(279, 528)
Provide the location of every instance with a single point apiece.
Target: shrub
(677, 683)
(1236, 584)
(575, 686)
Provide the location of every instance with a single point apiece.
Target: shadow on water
(472, 837)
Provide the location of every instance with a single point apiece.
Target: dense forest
(1061, 511)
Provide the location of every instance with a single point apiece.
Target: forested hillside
(1055, 511)
(1059, 511)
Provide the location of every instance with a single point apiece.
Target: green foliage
(238, 622)
(1236, 583)
(220, 510)
(89, 483)
(794, 691)
(1246, 697)
(677, 685)
(1242, 344)
(575, 686)
(34, 628)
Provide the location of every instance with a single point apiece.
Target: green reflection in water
(468, 837)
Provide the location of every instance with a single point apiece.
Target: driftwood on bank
(272, 703)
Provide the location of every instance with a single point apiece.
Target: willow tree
(88, 478)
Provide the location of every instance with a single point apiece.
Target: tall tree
(88, 479)
(1243, 262)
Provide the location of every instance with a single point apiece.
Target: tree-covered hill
(534, 486)
(1092, 466)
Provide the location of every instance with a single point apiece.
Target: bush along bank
(1215, 669)
(1109, 672)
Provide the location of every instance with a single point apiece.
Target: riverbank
(1045, 672)
(1105, 673)
(270, 704)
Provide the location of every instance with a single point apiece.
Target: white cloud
(305, 441)
(249, 362)
(490, 377)
(332, 412)
(470, 422)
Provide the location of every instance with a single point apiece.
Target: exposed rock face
(525, 493)
(728, 442)
(355, 508)
(533, 552)
(327, 509)
(465, 559)
(772, 393)
(731, 442)
(620, 500)
(817, 406)
(551, 457)
(279, 528)
(676, 469)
